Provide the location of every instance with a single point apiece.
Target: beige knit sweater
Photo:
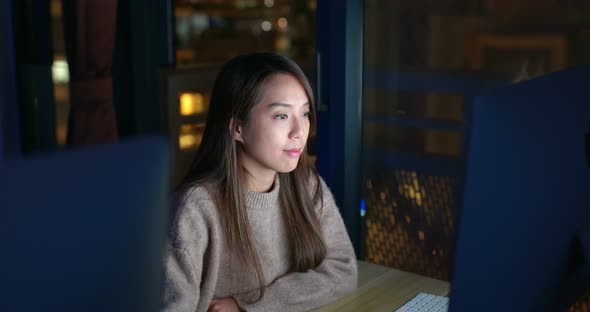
(200, 268)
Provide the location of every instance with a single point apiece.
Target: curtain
(90, 27)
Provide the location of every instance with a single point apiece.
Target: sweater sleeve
(183, 263)
(332, 279)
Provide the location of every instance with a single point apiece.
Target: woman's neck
(260, 183)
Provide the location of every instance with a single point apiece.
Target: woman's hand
(224, 305)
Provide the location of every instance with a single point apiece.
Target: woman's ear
(235, 130)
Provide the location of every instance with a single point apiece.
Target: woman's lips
(293, 152)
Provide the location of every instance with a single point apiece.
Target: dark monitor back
(84, 230)
(527, 196)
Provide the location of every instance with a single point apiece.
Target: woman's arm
(332, 279)
(183, 263)
(181, 281)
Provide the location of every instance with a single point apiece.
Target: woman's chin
(287, 169)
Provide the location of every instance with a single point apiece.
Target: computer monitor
(526, 211)
(84, 230)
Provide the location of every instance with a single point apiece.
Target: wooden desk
(384, 289)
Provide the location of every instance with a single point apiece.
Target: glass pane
(392, 138)
(413, 105)
(423, 63)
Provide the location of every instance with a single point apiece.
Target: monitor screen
(84, 230)
(527, 198)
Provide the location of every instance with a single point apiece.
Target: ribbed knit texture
(199, 267)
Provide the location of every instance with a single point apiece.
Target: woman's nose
(296, 129)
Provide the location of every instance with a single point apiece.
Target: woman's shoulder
(316, 182)
(192, 201)
(319, 191)
(192, 193)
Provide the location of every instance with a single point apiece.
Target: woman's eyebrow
(275, 104)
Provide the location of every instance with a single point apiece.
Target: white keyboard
(426, 302)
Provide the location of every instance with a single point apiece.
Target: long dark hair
(238, 87)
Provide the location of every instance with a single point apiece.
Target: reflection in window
(60, 74)
(190, 136)
(191, 103)
(214, 31)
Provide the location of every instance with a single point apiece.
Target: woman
(254, 227)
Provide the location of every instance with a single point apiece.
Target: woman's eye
(281, 116)
(306, 114)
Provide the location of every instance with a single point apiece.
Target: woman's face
(275, 134)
